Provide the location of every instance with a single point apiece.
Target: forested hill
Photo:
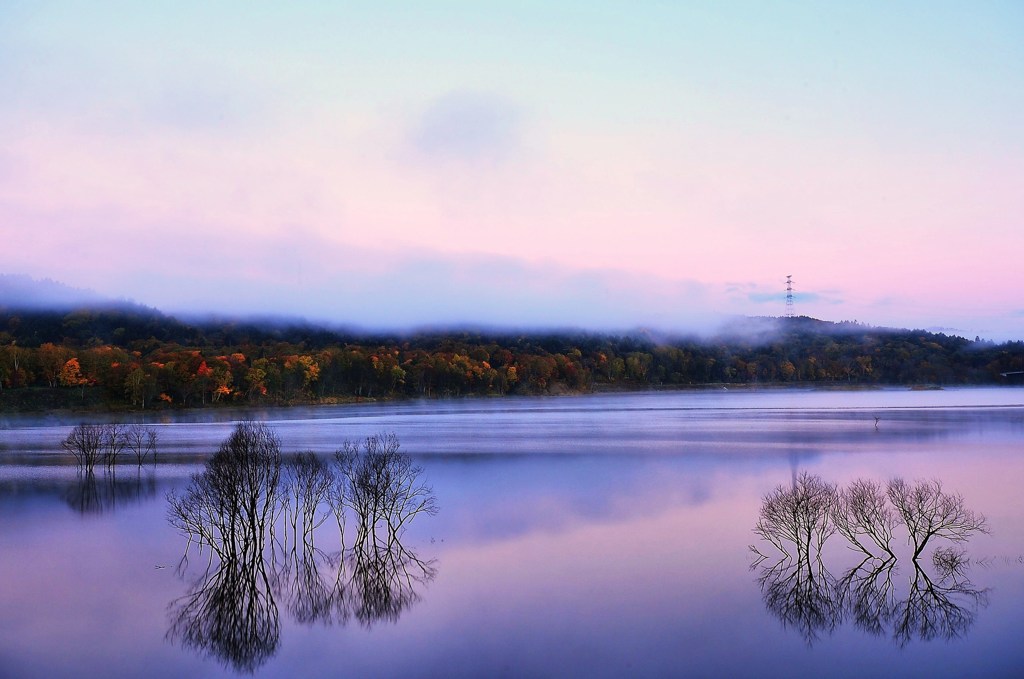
(132, 356)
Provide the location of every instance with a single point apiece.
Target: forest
(133, 357)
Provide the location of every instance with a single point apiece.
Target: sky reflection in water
(601, 536)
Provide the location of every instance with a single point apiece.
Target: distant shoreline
(70, 409)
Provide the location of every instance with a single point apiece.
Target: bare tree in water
(141, 441)
(930, 512)
(259, 518)
(804, 596)
(85, 442)
(862, 511)
(800, 515)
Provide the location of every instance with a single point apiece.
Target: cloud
(775, 297)
(467, 126)
(300, 273)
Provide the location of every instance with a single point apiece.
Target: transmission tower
(789, 296)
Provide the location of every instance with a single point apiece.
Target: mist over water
(607, 535)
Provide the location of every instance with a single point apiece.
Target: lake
(598, 535)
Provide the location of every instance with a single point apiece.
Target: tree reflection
(92, 494)
(229, 613)
(259, 518)
(943, 609)
(801, 592)
(868, 595)
(311, 586)
(384, 580)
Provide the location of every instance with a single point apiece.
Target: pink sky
(582, 164)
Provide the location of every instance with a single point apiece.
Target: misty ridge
(61, 348)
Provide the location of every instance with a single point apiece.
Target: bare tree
(141, 441)
(244, 496)
(804, 596)
(930, 512)
(862, 511)
(951, 563)
(308, 484)
(114, 442)
(384, 486)
(230, 502)
(84, 442)
(801, 514)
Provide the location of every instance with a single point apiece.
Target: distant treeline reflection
(260, 518)
(938, 600)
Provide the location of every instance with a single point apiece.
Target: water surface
(604, 535)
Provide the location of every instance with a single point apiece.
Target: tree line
(142, 359)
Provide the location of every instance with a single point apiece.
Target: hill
(123, 355)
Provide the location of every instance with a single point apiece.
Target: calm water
(600, 535)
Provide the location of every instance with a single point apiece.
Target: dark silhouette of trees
(800, 515)
(258, 515)
(227, 506)
(799, 590)
(936, 609)
(802, 594)
(862, 512)
(384, 485)
(229, 612)
(930, 512)
(868, 595)
(141, 441)
(85, 442)
(92, 444)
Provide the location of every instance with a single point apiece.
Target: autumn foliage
(229, 365)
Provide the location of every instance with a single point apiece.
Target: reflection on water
(259, 518)
(592, 536)
(111, 490)
(799, 589)
(230, 613)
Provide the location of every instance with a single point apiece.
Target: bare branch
(930, 512)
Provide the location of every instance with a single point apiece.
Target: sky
(605, 165)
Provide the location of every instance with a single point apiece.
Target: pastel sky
(594, 163)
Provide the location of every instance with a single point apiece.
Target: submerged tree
(801, 515)
(862, 511)
(930, 512)
(85, 443)
(141, 441)
(803, 595)
(229, 503)
(259, 518)
(384, 486)
(92, 444)
(308, 483)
